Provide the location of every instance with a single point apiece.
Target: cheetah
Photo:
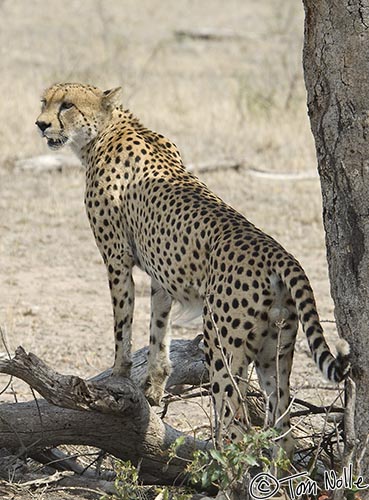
(146, 209)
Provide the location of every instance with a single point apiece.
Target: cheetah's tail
(333, 368)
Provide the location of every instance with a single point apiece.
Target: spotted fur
(146, 209)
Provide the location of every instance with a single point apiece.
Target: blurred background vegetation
(237, 93)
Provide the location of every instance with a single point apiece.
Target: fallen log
(106, 412)
(111, 414)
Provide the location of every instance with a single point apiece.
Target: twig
(185, 397)
(4, 342)
(315, 459)
(47, 480)
(349, 419)
(61, 461)
(211, 166)
(316, 410)
(9, 383)
(208, 34)
(286, 411)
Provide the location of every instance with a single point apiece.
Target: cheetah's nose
(42, 125)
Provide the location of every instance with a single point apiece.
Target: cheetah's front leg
(122, 295)
(159, 366)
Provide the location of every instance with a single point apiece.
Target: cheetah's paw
(154, 392)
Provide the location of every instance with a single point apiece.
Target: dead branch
(213, 165)
(313, 409)
(283, 176)
(107, 413)
(208, 34)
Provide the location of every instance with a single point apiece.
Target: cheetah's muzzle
(56, 143)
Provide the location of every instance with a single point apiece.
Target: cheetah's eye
(66, 105)
(43, 103)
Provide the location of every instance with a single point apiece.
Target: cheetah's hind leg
(273, 367)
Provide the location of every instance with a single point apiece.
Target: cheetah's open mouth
(56, 143)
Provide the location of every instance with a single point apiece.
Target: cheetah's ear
(112, 98)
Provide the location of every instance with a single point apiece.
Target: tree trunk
(336, 66)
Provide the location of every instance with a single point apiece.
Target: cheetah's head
(74, 114)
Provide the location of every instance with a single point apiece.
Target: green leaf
(215, 475)
(205, 479)
(218, 457)
(250, 460)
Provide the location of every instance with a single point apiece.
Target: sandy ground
(238, 96)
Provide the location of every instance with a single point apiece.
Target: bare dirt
(238, 95)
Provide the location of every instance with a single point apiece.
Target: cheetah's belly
(186, 290)
(188, 307)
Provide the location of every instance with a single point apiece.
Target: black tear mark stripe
(59, 120)
(59, 112)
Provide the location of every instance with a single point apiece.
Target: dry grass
(240, 97)
(244, 95)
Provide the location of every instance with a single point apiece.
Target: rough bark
(336, 67)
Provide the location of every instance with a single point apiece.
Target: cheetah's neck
(119, 114)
